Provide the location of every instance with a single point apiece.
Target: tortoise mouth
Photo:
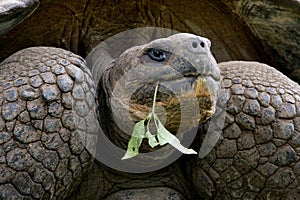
(173, 96)
(167, 89)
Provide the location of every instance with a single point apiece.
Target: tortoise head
(188, 79)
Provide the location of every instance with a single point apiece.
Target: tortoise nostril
(194, 45)
(202, 44)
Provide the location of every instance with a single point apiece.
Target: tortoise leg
(258, 155)
(47, 118)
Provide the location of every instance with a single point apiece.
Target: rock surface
(14, 12)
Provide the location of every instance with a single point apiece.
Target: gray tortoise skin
(255, 158)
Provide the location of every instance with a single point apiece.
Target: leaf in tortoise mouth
(162, 136)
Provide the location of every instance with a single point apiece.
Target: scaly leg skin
(257, 156)
(47, 99)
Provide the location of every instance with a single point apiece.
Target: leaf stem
(152, 113)
(154, 99)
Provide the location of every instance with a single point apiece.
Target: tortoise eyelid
(161, 55)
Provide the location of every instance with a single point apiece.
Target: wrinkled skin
(256, 156)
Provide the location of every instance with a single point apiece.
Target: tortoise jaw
(189, 86)
(193, 91)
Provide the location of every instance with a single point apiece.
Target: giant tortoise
(53, 107)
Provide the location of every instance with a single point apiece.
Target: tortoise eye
(157, 54)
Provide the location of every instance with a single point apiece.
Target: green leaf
(151, 139)
(164, 136)
(136, 140)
